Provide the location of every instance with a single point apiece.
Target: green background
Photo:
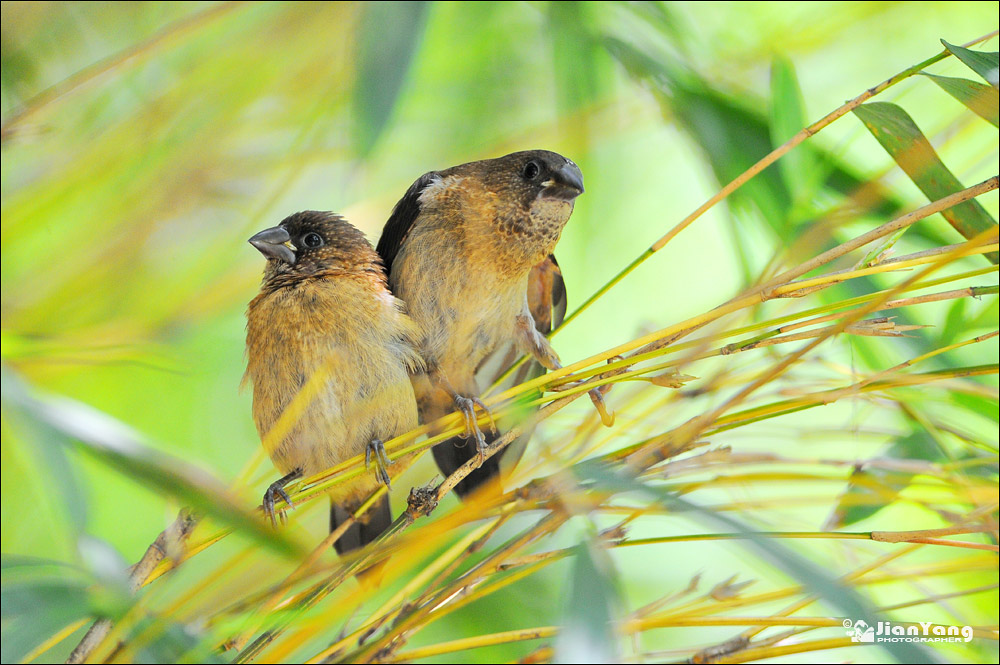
(160, 136)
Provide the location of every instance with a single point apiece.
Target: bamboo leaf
(39, 597)
(981, 99)
(33, 611)
(983, 63)
(870, 489)
(580, 68)
(52, 457)
(115, 444)
(734, 137)
(388, 40)
(987, 316)
(977, 405)
(879, 252)
(589, 634)
(955, 322)
(172, 642)
(812, 577)
(895, 130)
(787, 117)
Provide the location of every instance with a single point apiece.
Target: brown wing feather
(404, 214)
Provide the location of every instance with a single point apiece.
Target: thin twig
(170, 539)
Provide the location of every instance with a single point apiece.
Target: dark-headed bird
(468, 249)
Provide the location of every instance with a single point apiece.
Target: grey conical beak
(566, 183)
(271, 243)
(570, 175)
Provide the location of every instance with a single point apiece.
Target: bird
(329, 344)
(469, 250)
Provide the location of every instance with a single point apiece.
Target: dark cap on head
(313, 241)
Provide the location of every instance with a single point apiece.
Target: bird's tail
(378, 518)
(374, 523)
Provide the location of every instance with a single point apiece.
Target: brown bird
(331, 349)
(468, 249)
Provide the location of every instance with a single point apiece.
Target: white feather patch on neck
(438, 185)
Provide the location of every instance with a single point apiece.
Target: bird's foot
(467, 405)
(277, 491)
(376, 449)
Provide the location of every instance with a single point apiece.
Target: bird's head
(311, 242)
(531, 175)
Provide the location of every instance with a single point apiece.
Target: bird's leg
(540, 349)
(467, 406)
(275, 491)
(376, 449)
(535, 342)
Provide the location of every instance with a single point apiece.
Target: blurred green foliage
(144, 142)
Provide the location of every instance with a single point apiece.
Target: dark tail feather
(361, 533)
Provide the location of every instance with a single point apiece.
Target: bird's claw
(376, 449)
(275, 491)
(467, 405)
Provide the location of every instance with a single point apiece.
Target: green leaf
(664, 18)
(117, 445)
(987, 316)
(874, 253)
(895, 130)
(388, 40)
(39, 597)
(954, 322)
(732, 137)
(34, 611)
(580, 69)
(984, 63)
(871, 488)
(981, 99)
(788, 117)
(843, 598)
(51, 455)
(164, 641)
(589, 634)
(977, 405)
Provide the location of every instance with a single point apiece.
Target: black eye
(312, 240)
(531, 170)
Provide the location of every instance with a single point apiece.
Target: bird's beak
(566, 183)
(271, 243)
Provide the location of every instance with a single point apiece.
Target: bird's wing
(548, 307)
(404, 214)
(558, 295)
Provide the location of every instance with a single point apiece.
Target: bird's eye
(312, 240)
(531, 170)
